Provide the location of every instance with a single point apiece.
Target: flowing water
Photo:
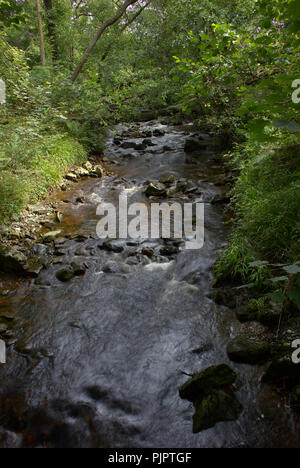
(97, 361)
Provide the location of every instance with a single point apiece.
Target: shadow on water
(97, 361)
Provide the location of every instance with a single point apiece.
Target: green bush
(266, 199)
(26, 176)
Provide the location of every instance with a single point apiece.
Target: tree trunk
(108, 49)
(99, 33)
(42, 44)
(51, 28)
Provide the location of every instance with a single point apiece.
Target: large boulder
(212, 378)
(12, 260)
(212, 394)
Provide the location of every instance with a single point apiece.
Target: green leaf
(292, 269)
(248, 286)
(259, 263)
(279, 279)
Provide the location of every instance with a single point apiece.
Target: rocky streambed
(100, 334)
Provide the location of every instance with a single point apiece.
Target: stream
(98, 361)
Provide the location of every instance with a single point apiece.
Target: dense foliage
(230, 65)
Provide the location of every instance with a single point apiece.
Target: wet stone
(156, 189)
(217, 406)
(112, 246)
(78, 269)
(249, 350)
(66, 274)
(169, 250)
(212, 394)
(213, 377)
(51, 236)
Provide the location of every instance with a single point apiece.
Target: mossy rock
(216, 406)
(212, 378)
(12, 260)
(66, 274)
(156, 189)
(78, 269)
(168, 180)
(246, 314)
(248, 350)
